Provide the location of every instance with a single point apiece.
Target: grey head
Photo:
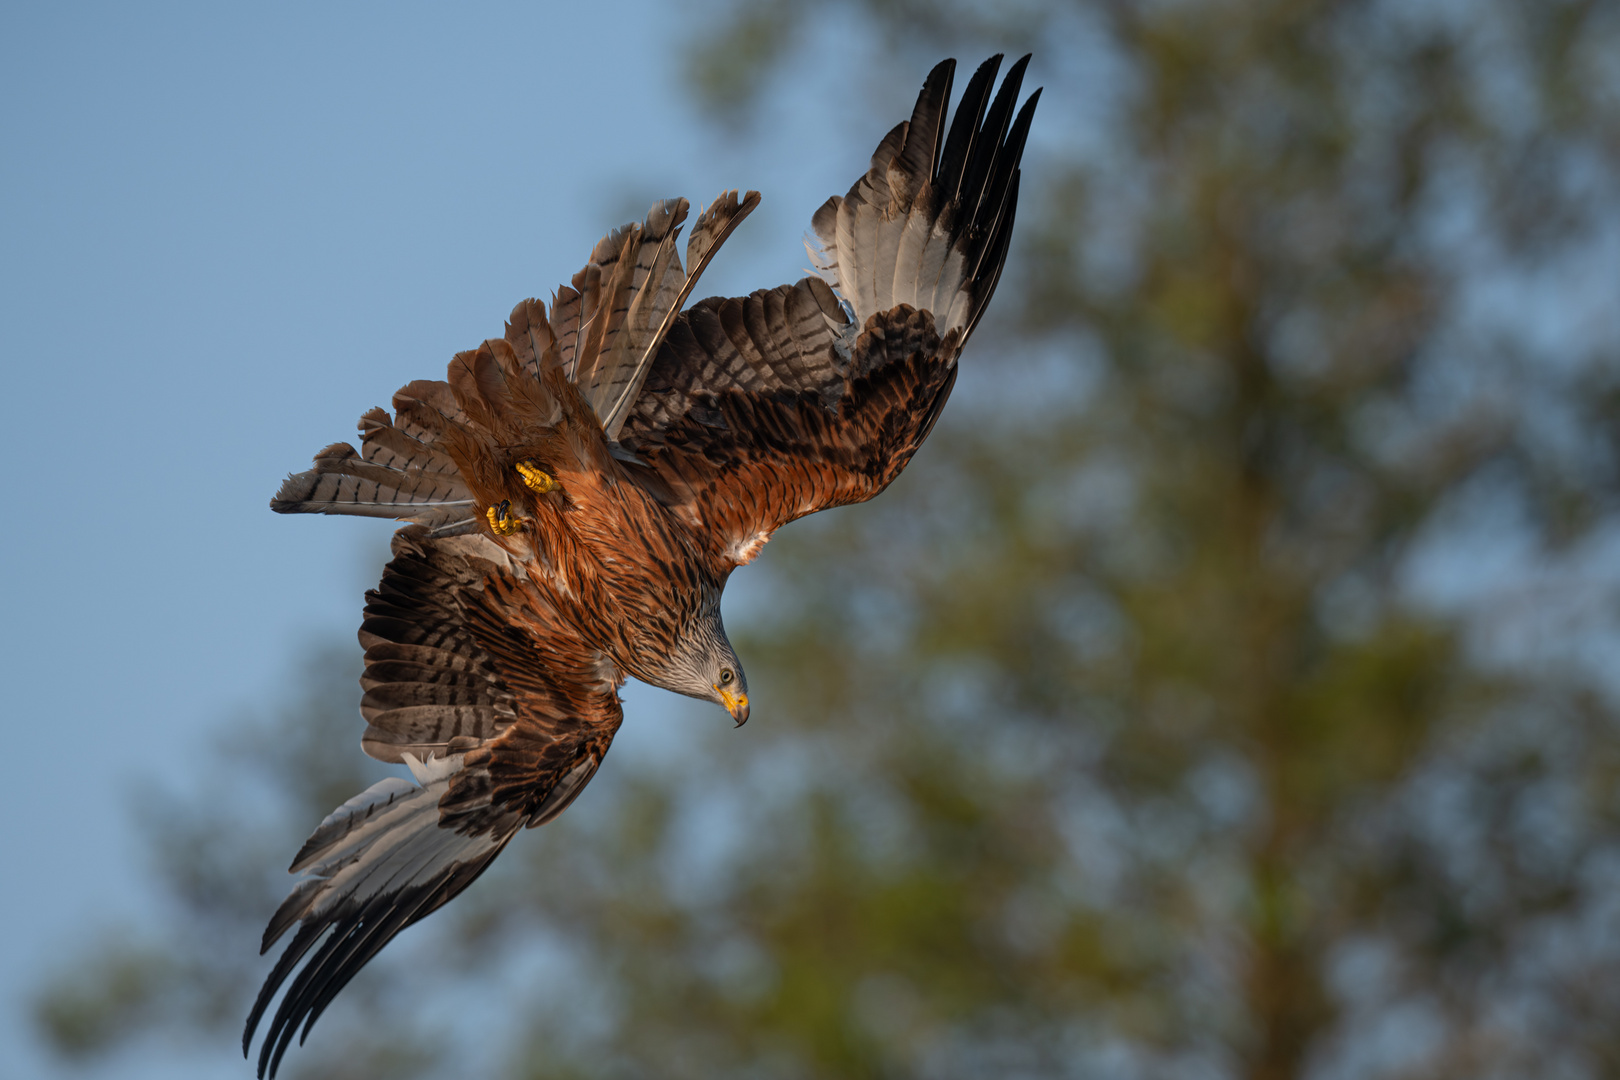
(704, 665)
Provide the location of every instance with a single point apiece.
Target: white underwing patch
(742, 552)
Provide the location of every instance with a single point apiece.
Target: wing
(502, 715)
(758, 410)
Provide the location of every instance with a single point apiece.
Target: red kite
(580, 490)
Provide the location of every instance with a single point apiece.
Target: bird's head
(722, 673)
(704, 665)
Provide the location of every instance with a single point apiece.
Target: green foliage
(87, 1012)
(728, 62)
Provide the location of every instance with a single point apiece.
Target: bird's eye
(726, 677)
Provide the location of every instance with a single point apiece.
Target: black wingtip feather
(919, 156)
(965, 129)
(998, 246)
(1001, 193)
(307, 935)
(992, 134)
(456, 879)
(987, 196)
(356, 936)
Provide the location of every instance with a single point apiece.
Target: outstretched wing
(503, 716)
(758, 410)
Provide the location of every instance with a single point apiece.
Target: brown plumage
(579, 490)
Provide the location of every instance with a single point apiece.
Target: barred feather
(495, 739)
(344, 482)
(655, 311)
(427, 682)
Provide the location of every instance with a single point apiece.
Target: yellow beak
(736, 705)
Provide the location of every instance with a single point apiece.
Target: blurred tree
(1218, 694)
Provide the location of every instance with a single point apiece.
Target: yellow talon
(535, 478)
(502, 522)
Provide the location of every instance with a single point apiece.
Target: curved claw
(502, 522)
(535, 478)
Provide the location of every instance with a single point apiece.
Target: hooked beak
(736, 705)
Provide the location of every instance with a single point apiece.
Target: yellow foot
(535, 478)
(502, 521)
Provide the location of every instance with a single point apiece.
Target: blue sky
(229, 230)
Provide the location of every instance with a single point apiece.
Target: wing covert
(741, 465)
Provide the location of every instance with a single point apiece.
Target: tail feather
(606, 296)
(645, 281)
(384, 443)
(566, 306)
(603, 332)
(606, 327)
(501, 399)
(655, 311)
(427, 410)
(530, 335)
(344, 482)
(403, 469)
(715, 225)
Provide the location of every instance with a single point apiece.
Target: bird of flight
(580, 489)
